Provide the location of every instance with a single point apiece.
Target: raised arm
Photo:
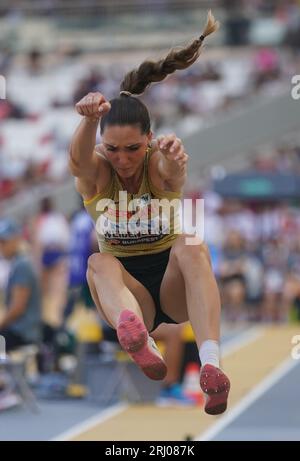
(84, 163)
(172, 161)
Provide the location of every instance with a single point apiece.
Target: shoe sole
(215, 386)
(133, 337)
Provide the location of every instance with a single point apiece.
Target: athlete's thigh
(172, 293)
(138, 290)
(143, 297)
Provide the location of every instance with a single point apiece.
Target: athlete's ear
(150, 136)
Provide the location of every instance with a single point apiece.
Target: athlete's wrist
(92, 119)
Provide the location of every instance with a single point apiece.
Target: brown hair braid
(137, 80)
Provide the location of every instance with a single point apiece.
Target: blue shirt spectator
(22, 319)
(81, 247)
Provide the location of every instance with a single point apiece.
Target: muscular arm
(82, 159)
(172, 173)
(91, 171)
(172, 162)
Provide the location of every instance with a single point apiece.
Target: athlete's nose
(123, 161)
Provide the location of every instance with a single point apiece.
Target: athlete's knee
(101, 262)
(183, 251)
(174, 332)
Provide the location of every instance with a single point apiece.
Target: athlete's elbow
(73, 167)
(73, 164)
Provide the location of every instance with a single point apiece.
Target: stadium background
(235, 113)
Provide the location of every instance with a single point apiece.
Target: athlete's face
(125, 148)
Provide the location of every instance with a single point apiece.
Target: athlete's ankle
(209, 353)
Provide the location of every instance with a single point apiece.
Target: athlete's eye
(133, 148)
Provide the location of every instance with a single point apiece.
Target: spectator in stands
(266, 66)
(21, 322)
(231, 272)
(83, 244)
(275, 256)
(34, 61)
(50, 239)
(291, 288)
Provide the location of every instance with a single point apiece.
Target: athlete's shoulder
(91, 185)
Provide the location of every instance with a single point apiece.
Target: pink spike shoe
(215, 386)
(135, 340)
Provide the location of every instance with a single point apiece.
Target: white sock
(209, 352)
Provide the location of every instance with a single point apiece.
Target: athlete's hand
(172, 148)
(93, 106)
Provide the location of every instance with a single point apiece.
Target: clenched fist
(93, 106)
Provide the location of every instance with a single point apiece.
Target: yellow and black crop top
(135, 224)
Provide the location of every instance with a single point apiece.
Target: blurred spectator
(83, 242)
(254, 280)
(20, 324)
(290, 11)
(266, 66)
(232, 276)
(10, 110)
(213, 221)
(34, 61)
(50, 239)
(275, 255)
(291, 288)
(237, 24)
(90, 84)
(240, 218)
